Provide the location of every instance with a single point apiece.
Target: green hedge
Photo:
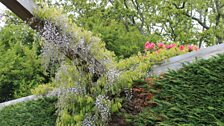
(193, 95)
(33, 113)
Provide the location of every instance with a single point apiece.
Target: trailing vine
(89, 79)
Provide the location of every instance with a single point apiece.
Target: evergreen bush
(41, 112)
(193, 95)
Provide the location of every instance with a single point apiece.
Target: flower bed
(150, 46)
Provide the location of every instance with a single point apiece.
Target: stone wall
(19, 100)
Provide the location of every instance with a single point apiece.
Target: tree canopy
(199, 22)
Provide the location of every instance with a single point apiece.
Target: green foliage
(33, 113)
(144, 118)
(78, 96)
(82, 101)
(117, 39)
(192, 95)
(42, 89)
(188, 22)
(20, 67)
(123, 26)
(119, 35)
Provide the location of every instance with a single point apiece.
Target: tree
(106, 22)
(181, 21)
(208, 14)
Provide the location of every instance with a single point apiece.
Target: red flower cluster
(181, 47)
(170, 46)
(161, 45)
(149, 46)
(192, 48)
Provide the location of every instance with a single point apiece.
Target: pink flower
(161, 45)
(152, 45)
(170, 46)
(149, 45)
(181, 47)
(190, 48)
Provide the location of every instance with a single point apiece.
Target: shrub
(193, 95)
(20, 67)
(32, 113)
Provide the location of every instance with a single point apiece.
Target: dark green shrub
(33, 113)
(193, 95)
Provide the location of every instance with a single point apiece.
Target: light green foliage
(188, 22)
(203, 19)
(42, 89)
(78, 96)
(109, 26)
(81, 101)
(117, 39)
(20, 67)
(136, 67)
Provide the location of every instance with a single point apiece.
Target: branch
(221, 6)
(181, 7)
(142, 19)
(111, 1)
(192, 17)
(130, 17)
(173, 34)
(198, 20)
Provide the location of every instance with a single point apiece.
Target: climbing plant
(89, 79)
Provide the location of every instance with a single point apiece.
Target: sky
(2, 9)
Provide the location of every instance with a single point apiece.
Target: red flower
(170, 46)
(152, 45)
(149, 45)
(181, 47)
(190, 48)
(161, 45)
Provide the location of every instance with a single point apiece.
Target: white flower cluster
(55, 41)
(60, 44)
(128, 94)
(59, 91)
(1, 15)
(89, 120)
(112, 75)
(103, 106)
